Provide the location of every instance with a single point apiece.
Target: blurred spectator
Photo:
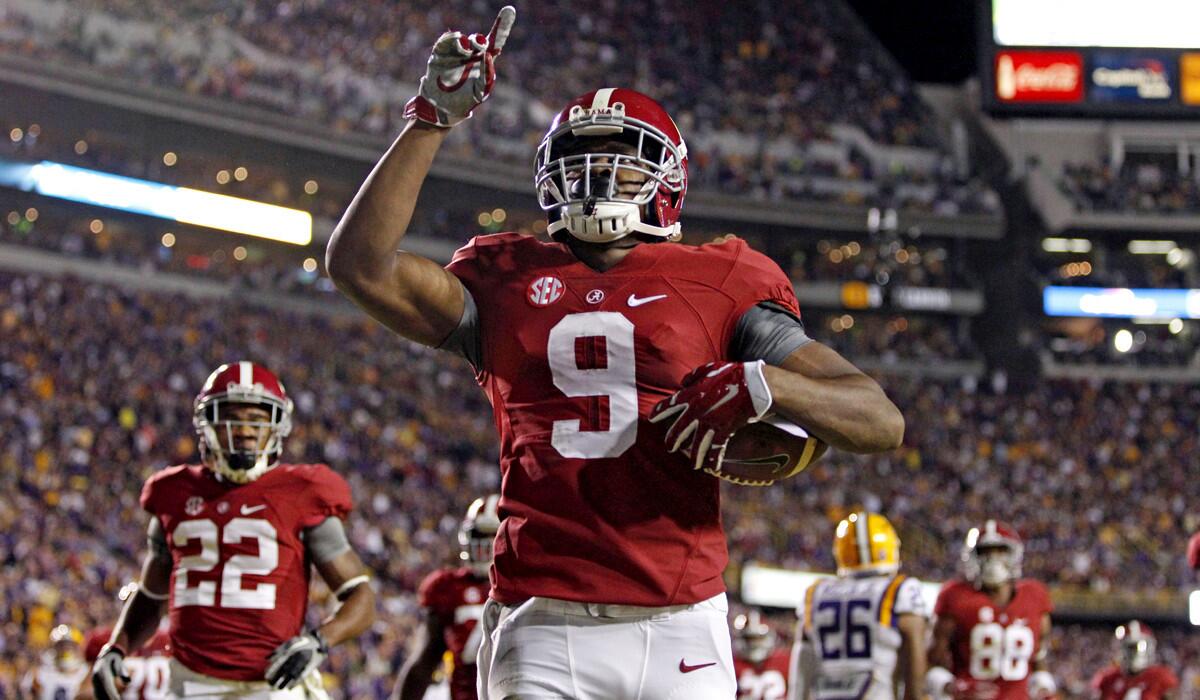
(1137, 188)
(351, 65)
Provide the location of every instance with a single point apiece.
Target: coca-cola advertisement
(1039, 76)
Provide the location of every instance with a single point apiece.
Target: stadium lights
(771, 587)
(182, 204)
(1151, 247)
(1066, 245)
(1123, 341)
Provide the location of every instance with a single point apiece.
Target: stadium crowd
(1144, 188)
(345, 64)
(96, 385)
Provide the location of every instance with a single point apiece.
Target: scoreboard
(1091, 58)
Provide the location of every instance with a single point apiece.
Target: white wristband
(760, 393)
(1042, 684)
(936, 680)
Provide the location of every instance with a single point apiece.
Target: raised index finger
(498, 34)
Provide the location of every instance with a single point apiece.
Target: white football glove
(292, 660)
(461, 74)
(109, 666)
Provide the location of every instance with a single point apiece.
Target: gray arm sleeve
(464, 339)
(325, 541)
(156, 539)
(767, 332)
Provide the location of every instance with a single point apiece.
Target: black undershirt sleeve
(769, 332)
(465, 340)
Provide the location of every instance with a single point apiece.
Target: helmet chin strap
(599, 221)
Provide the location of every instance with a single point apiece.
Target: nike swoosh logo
(634, 301)
(684, 668)
(247, 510)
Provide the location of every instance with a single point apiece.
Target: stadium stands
(351, 66)
(97, 382)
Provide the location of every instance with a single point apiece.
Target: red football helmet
(1136, 646)
(992, 555)
(580, 189)
(753, 638)
(241, 384)
(477, 533)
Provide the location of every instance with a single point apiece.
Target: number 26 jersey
(852, 625)
(593, 507)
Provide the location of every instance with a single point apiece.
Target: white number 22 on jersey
(261, 597)
(612, 378)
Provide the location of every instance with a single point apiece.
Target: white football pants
(189, 685)
(547, 648)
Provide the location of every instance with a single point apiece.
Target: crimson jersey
(593, 507)
(1149, 684)
(456, 596)
(765, 681)
(148, 667)
(994, 647)
(239, 584)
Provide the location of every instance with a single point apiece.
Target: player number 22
(609, 374)
(261, 597)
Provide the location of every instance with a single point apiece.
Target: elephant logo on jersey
(544, 291)
(194, 506)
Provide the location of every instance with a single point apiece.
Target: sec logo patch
(544, 291)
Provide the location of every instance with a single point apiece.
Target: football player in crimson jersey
(1136, 675)
(618, 364)
(451, 603)
(230, 543)
(992, 626)
(148, 668)
(761, 667)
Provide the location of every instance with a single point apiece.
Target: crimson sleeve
(96, 639)
(429, 592)
(942, 605)
(753, 279)
(148, 498)
(330, 497)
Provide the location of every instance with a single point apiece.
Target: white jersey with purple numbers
(851, 626)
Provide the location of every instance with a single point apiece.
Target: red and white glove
(715, 400)
(460, 74)
(1193, 552)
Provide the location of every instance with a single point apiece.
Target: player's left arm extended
(819, 389)
(344, 573)
(347, 577)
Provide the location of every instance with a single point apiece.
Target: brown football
(764, 452)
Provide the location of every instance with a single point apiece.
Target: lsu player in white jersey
(861, 635)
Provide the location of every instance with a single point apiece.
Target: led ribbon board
(1121, 303)
(182, 204)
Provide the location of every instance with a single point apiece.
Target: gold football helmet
(866, 542)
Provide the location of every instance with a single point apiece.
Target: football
(769, 450)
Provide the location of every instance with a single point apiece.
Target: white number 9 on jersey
(601, 341)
